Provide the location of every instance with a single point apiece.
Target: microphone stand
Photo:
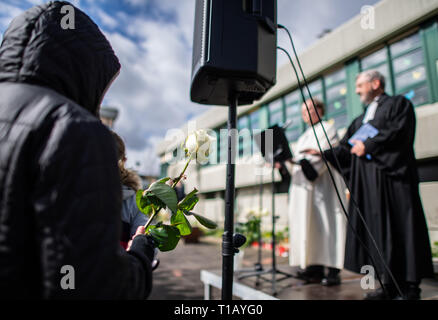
(258, 267)
(230, 240)
(273, 271)
(228, 249)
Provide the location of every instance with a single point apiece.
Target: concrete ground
(178, 276)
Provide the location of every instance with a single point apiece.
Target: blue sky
(153, 40)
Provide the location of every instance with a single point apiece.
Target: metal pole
(259, 239)
(227, 238)
(274, 265)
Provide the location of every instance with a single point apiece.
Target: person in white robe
(317, 224)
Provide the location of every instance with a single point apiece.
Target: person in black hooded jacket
(60, 191)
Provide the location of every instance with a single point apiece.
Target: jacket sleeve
(400, 123)
(77, 204)
(339, 157)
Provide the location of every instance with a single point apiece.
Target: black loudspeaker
(234, 50)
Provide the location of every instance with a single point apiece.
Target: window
(403, 66)
(404, 63)
(242, 122)
(254, 118)
(335, 77)
(163, 169)
(244, 142)
(292, 97)
(418, 96)
(276, 114)
(336, 97)
(406, 44)
(406, 79)
(214, 154)
(379, 61)
(263, 117)
(293, 115)
(315, 88)
(223, 144)
(409, 69)
(374, 59)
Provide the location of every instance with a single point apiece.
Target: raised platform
(214, 279)
(295, 289)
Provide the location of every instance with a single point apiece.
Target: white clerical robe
(317, 224)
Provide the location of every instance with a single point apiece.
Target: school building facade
(400, 40)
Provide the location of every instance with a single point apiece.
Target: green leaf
(164, 180)
(166, 236)
(166, 194)
(143, 202)
(204, 221)
(188, 196)
(156, 201)
(181, 222)
(156, 233)
(189, 201)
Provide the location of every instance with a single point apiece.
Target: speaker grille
(200, 36)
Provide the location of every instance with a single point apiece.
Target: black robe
(386, 190)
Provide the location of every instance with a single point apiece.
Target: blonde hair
(128, 177)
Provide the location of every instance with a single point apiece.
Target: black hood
(78, 63)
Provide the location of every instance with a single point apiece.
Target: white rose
(201, 136)
(203, 152)
(198, 145)
(191, 144)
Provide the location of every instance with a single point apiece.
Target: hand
(139, 231)
(358, 148)
(144, 245)
(277, 165)
(312, 152)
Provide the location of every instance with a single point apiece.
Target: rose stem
(154, 213)
(182, 173)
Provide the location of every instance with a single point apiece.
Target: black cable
(331, 175)
(338, 164)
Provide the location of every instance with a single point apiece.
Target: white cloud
(7, 13)
(306, 22)
(106, 19)
(152, 90)
(144, 161)
(35, 2)
(153, 85)
(135, 2)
